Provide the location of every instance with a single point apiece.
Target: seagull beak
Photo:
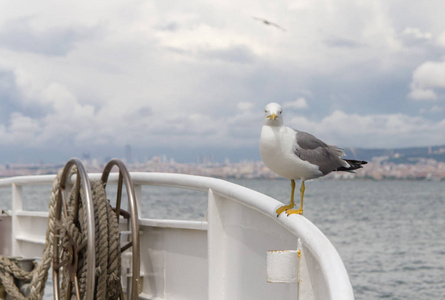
(272, 116)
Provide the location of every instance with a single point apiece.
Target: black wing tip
(353, 165)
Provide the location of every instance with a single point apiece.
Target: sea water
(390, 234)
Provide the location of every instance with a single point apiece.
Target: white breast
(277, 144)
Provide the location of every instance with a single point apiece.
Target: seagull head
(273, 115)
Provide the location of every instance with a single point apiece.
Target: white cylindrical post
(17, 206)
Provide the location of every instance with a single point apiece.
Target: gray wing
(315, 151)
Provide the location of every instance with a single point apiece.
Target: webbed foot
(294, 211)
(283, 209)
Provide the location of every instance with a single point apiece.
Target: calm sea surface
(390, 234)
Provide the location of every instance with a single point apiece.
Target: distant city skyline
(187, 155)
(378, 168)
(202, 155)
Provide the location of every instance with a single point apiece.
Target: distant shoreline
(377, 169)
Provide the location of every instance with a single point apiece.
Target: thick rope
(40, 272)
(108, 285)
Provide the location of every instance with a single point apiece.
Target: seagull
(295, 154)
(267, 22)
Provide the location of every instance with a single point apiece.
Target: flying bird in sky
(267, 22)
(295, 154)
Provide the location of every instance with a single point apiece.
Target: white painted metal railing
(242, 225)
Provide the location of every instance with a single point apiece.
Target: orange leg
(291, 204)
(300, 210)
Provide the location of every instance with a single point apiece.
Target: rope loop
(67, 230)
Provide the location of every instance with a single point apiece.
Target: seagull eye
(280, 112)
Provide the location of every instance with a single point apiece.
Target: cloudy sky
(193, 77)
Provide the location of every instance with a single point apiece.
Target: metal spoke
(68, 293)
(61, 264)
(126, 246)
(76, 286)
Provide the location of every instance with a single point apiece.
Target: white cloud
(171, 73)
(301, 4)
(245, 106)
(21, 130)
(435, 109)
(428, 76)
(422, 94)
(300, 103)
(441, 39)
(373, 131)
(417, 34)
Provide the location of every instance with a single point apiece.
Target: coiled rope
(108, 284)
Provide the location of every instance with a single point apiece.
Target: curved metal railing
(331, 265)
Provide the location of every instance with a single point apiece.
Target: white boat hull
(223, 257)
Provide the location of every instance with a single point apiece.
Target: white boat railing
(241, 226)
